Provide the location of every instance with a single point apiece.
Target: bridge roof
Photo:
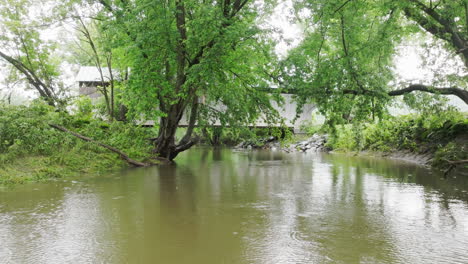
(91, 74)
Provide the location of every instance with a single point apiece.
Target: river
(225, 206)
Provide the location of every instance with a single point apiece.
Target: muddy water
(223, 206)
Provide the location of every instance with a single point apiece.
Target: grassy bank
(31, 150)
(442, 135)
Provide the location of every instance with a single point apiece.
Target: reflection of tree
(199, 219)
(311, 214)
(178, 209)
(353, 228)
(452, 188)
(443, 212)
(247, 207)
(408, 195)
(217, 154)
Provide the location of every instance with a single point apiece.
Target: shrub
(416, 132)
(25, 131)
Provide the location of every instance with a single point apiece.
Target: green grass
(60, 165)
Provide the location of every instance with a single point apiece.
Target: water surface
(224, 206)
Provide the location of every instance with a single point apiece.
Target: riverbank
(437, 140)
(32, 150)
(318, 143)
(64, 165)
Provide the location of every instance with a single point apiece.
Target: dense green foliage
(31, 149)
(210, 62)
(442, 133)
(218, 136)
(32, 61)
(201, 59)
(345, 62)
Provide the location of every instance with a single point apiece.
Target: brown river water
(226, 206)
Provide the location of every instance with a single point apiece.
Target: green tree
(202, 58)
(445, 20)
(101, 57)
(344, 64)
(90, 46)
(22, 47)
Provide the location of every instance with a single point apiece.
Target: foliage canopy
(345, 62)
(206, 60)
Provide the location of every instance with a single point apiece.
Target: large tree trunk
(165, 144)
(192, 121)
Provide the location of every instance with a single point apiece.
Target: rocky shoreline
(315, 143)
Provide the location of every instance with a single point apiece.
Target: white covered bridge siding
(287, 111)
(89, 78)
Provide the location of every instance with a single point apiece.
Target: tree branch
(44, 90)
(461, 93)
(106, 5)
(426, 24)
(192, 121)
(237, 6)
(341, 6)
(456, 39)
(121, 154)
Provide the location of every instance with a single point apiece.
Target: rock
(314, 143)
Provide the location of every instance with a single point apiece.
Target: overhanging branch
(461, 93)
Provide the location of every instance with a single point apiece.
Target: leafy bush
(25, 130)
(25, 134)
(313, 126)
(427, 131)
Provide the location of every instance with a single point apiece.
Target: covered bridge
(89, 78)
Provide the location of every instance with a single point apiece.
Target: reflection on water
(223, 206)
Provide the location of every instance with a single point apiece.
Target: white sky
(291, 34)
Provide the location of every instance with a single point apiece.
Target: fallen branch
(453, 164)
(121, 154)
(457, 161)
